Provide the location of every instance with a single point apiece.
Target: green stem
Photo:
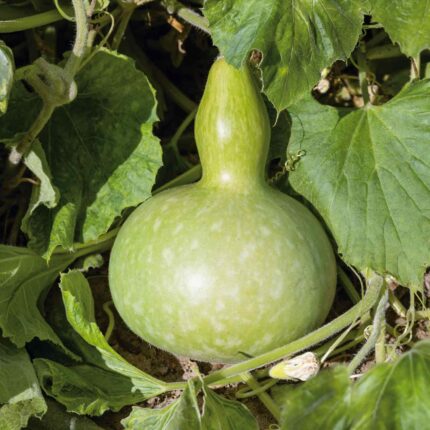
(362, 72)
(267, 401)
(415, 67)
(102, 244)
(384, 52)
(194, 19)
(80, 45)
(378, 321)
(380, 354)
(111, 318)
(36, 128)
(348, 285)
(179, 132)
(124, 20)
(402, 312)
(317, 336)
(28, 22)
(359, 339)
(192, 175)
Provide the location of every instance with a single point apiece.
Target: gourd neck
(232, 129)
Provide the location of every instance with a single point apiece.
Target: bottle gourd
(229, 267)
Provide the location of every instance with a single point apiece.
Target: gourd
(229, 267)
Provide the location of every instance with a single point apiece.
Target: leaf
(85, 389)
(181, 414)
(223, 414)
(100, 149)
(19, 390)
(298, 38)
(24, 278)
(79, 305)
(7, 69)
(389, 396)
(321, 402)
(367, 173)
(406, 21)
(44, 193)
(56, 418)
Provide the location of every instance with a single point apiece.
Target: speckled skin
(228, 267)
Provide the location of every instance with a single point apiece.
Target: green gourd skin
(228, 267)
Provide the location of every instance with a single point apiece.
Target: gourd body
(228, 267)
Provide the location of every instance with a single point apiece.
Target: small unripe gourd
(226, 268)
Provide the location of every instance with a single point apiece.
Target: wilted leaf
(368, 174)
(19, 390)
(298, 39)
(406, 21)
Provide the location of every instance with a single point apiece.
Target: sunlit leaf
(406, 21)
(368, 174)
(298, 39)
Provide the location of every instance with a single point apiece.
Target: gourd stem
(267, 401)
(317, 336)
(378, 321)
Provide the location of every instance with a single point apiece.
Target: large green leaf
(368, 174)
(24, 277)
(86, 389)
(79, 305)
(19, 390)
(181, 414)
(406, 21)
(320, 403)
(44, 192)
(390, 396)
(100, 150)
(223, 414)
(6, 76)
(298, 38)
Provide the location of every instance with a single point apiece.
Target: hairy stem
(378, 321)
(348, 285)
(80, 45)
(317, 336)
(267, 401)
